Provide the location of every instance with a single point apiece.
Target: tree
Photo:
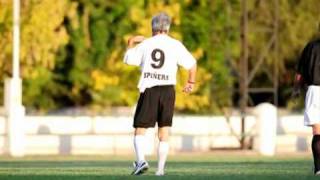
(297, 25)
(72, 50)
(210, 28)
(5, 41)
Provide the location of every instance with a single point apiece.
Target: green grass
(186, 166)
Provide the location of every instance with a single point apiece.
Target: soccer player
(158, 58)
(308, 73)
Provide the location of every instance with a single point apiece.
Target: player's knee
(316, 132)
(139, 131)
(163, 137)
(316, 129)
(163, 134)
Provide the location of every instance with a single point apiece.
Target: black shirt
(309, 63)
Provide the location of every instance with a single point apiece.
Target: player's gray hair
(161, 22)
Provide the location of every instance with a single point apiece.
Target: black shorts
(155, 104)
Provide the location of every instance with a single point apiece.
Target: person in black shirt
(308, 74)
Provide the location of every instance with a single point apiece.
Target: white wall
(113, 135)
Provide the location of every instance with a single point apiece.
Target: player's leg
(139, 144)
(166, 109)
(312, 118)
(144, 118)
(316, 147)
(140, 165)
(163, 148)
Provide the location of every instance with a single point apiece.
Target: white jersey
(158, 58)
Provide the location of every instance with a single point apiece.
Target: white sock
(139, 145)
(163, 150)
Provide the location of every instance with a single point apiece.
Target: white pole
(15, 112)
(16, 38)
(266, 115)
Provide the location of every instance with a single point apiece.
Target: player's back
(161, 52)
(161, 57)
(313, 64)
(158, 58)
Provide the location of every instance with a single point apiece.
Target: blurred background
(73, 75)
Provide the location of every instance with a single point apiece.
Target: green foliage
(42, 34)
(298, 22)
(5, 39)
(96, 74)
(207, 27)
(5, 36)
(72, 50)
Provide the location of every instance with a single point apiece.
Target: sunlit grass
(185, 166)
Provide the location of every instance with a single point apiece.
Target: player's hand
(188, 88)
(138, 39)
(298, 85)
(135, 39)
(296, 92)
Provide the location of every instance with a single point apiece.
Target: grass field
(183, 166)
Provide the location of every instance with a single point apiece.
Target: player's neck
(159, 33)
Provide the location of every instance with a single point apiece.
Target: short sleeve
(303, 58)
(185, 59)
(133, 56)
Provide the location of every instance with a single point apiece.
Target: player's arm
(191, 80)
(298, 81)
(133, 55)
(187, 61)
(297, 85)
